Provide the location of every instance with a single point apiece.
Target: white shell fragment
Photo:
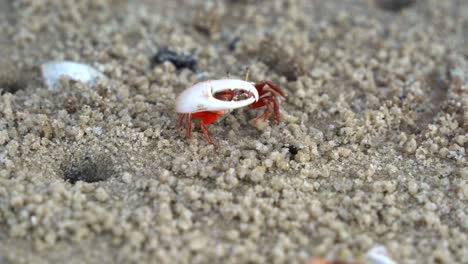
(54, 70)
(379, 255)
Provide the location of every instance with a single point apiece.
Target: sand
(371, 147)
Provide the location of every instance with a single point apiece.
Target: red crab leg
(266, 114)
(189, 125)
(206, 133)
(181, 119)
(207, 117)
(275, 109)
(268, 99)
(262, 84)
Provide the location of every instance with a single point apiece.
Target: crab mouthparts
(233, 95)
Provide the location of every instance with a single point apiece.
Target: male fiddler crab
(209, 100)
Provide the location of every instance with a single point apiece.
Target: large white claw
(200, 97)
(54, 70)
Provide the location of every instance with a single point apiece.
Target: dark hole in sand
(88, 169)
(293, 150)
(394, 5)
(10, 86)
(12, 79)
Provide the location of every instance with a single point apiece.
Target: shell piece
(54, 70)
(200, 98)
(379, 255)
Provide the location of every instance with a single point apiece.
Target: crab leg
(266, 114)
(189, 125)
(206, 133)
(268, 98)
(206, 117)
(181, 119)
(262, 84)
(275, 109)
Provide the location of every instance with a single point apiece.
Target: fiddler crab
(210, 99)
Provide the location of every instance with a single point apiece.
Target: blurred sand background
(371, 148)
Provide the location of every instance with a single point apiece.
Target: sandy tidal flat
(371, 147)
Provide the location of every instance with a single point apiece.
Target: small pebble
(127, 177)
(101, 194)
(178, 60)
